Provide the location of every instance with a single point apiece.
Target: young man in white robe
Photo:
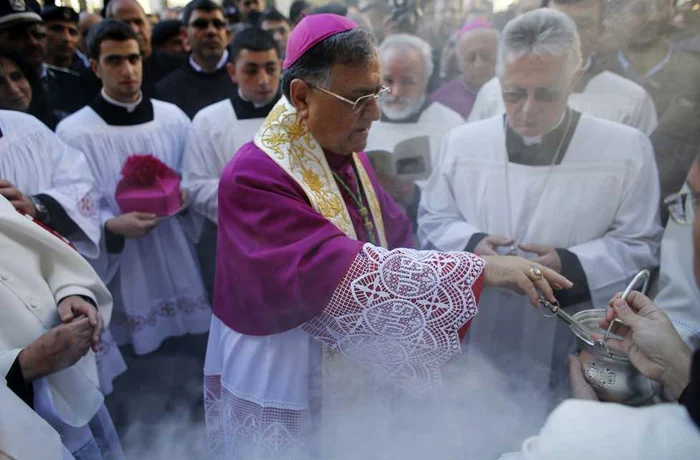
(148, 263)
(54, 307)
(407, 66)
(599, 93)
(218, 131)
(575, 193)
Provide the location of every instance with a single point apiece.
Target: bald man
(156, 65)
(87, 20)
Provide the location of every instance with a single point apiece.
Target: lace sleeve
(398, 312)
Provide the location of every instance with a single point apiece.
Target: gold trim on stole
(287, 141)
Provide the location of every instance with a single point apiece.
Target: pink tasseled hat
(473, 25)
(312, 30)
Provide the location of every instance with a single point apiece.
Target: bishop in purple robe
(316, 284)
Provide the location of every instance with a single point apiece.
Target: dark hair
(353, 48)
(109, 29)
(331, 8)
(296, 9)
(202, 5)
(165, 30)
(272, 14)
(254, 39)
(39, 105)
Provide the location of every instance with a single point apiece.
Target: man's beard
(410, 107)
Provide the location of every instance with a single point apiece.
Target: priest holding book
(318, 298)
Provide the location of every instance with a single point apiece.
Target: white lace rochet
(395, 314)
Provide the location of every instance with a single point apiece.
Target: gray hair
(354, 48)
(543, 32)
(407, 42)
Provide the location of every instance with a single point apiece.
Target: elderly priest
(576, 193)
(314, 289)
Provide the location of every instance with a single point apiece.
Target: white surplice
(215, 137)
(435, 121)
(36, 161)
(600, 203)
(583, 430)
(155, 280)
(607, 95)
(678, 294)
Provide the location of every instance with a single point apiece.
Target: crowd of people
(361, 192)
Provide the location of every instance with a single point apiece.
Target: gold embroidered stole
(287, 141)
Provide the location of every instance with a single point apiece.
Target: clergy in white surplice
(599, 93)
(218, 131)
(573, 192)
(44, 177)
(407, 66)
(148, 262)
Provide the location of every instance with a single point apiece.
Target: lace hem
(397, 313)
(239, 429)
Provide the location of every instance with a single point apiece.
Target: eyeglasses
(358, 105)
(203, 24)
(282, 30)
(515, 95)
(681, 206)
(248, 3)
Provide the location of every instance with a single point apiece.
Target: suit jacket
(37, 270)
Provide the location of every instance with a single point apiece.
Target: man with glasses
(599, 92)
(572, 192)
(315, 294)
(203, 80)
(407, 116)
(678, 291)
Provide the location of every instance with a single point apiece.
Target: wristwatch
(42, 213)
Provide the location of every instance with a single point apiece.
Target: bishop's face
(535, 92)
(334, 123)
(120, 69)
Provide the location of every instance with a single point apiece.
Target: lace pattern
(243, 430)
(397, 313)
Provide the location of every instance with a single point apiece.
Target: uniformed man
(62, 37)
(23, 31)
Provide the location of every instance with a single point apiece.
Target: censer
(609, 372)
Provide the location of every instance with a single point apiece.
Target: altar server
(148, 262)
(218, 131)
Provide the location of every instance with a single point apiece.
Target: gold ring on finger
(534, 273)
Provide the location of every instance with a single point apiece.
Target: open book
(410, 159)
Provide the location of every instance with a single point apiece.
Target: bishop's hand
(524, 277)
